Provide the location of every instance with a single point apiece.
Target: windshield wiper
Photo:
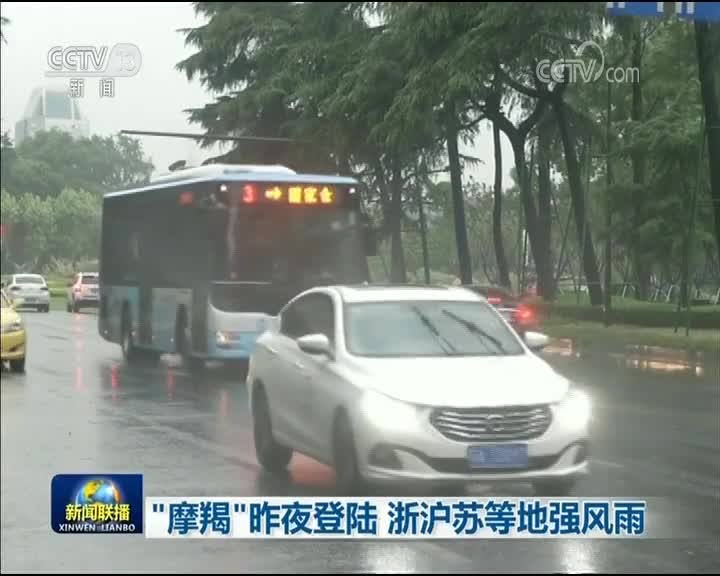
(435, 332)
(475, 329)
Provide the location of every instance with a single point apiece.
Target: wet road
(78, 408)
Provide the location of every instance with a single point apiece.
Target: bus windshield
(291, 248)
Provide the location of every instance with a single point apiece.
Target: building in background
(51, 108)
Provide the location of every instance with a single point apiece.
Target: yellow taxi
(13, 338)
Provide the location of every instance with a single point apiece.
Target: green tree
(707, 41)
(52, 187)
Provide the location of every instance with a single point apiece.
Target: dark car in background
(520, 315)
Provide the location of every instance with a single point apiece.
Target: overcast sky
(154, 99)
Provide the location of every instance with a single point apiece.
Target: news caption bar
(394, 518)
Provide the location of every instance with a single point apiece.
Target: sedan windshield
(427, 328)
(29, 280)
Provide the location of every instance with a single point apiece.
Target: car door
(288, 389)
(319, 378)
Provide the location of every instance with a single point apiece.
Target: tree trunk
(638, 167)
(592, 276)
(707, 42)
(423, 232)
(385, 204)
(397, 256)
(607, 281)
(528, 205)
(545, 284)
(497, 212)
(461, 238)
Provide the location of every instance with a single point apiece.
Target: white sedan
(31, 289)
(410, 385)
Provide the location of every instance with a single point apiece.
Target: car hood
(463, 382)
(8, 316)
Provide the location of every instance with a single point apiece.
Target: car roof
(398, 293)
(29, 275)
(88, 273)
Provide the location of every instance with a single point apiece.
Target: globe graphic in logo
(98, 491)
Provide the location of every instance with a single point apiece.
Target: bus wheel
(126, 340)
(183, 348)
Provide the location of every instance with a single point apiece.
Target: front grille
(502, 423)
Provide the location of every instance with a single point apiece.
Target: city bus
(199, 262)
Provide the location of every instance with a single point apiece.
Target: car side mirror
(536, 341)
(316, 344)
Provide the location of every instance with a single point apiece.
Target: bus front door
(199, 319)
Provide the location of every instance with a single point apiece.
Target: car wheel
(75, 307)
(17, 365)
(271, 455)
(349, 481)
(68, 307)
(559, 487)
(47, 308)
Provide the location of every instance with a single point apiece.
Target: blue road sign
(705, 11)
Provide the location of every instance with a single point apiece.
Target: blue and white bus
(201, 261)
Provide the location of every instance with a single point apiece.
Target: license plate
(30, 300)
(498, 456)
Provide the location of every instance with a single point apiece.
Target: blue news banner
(97, 503)
(393, 518)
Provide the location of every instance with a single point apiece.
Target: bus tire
(127, 344)
(182, 344)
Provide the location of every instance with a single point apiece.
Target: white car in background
(83, 291)
(32, 289)
(410, 385)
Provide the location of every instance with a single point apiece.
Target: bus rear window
(255, 297)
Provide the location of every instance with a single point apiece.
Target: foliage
(41, 230)
(380, 90)
(51, 161)
(52, 187)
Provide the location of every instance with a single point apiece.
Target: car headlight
(14, 326)
(223, 338)
(574, 410)
(387, 412)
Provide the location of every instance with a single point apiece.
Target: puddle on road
(656, 359)
(565, 347)
(662, 360)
